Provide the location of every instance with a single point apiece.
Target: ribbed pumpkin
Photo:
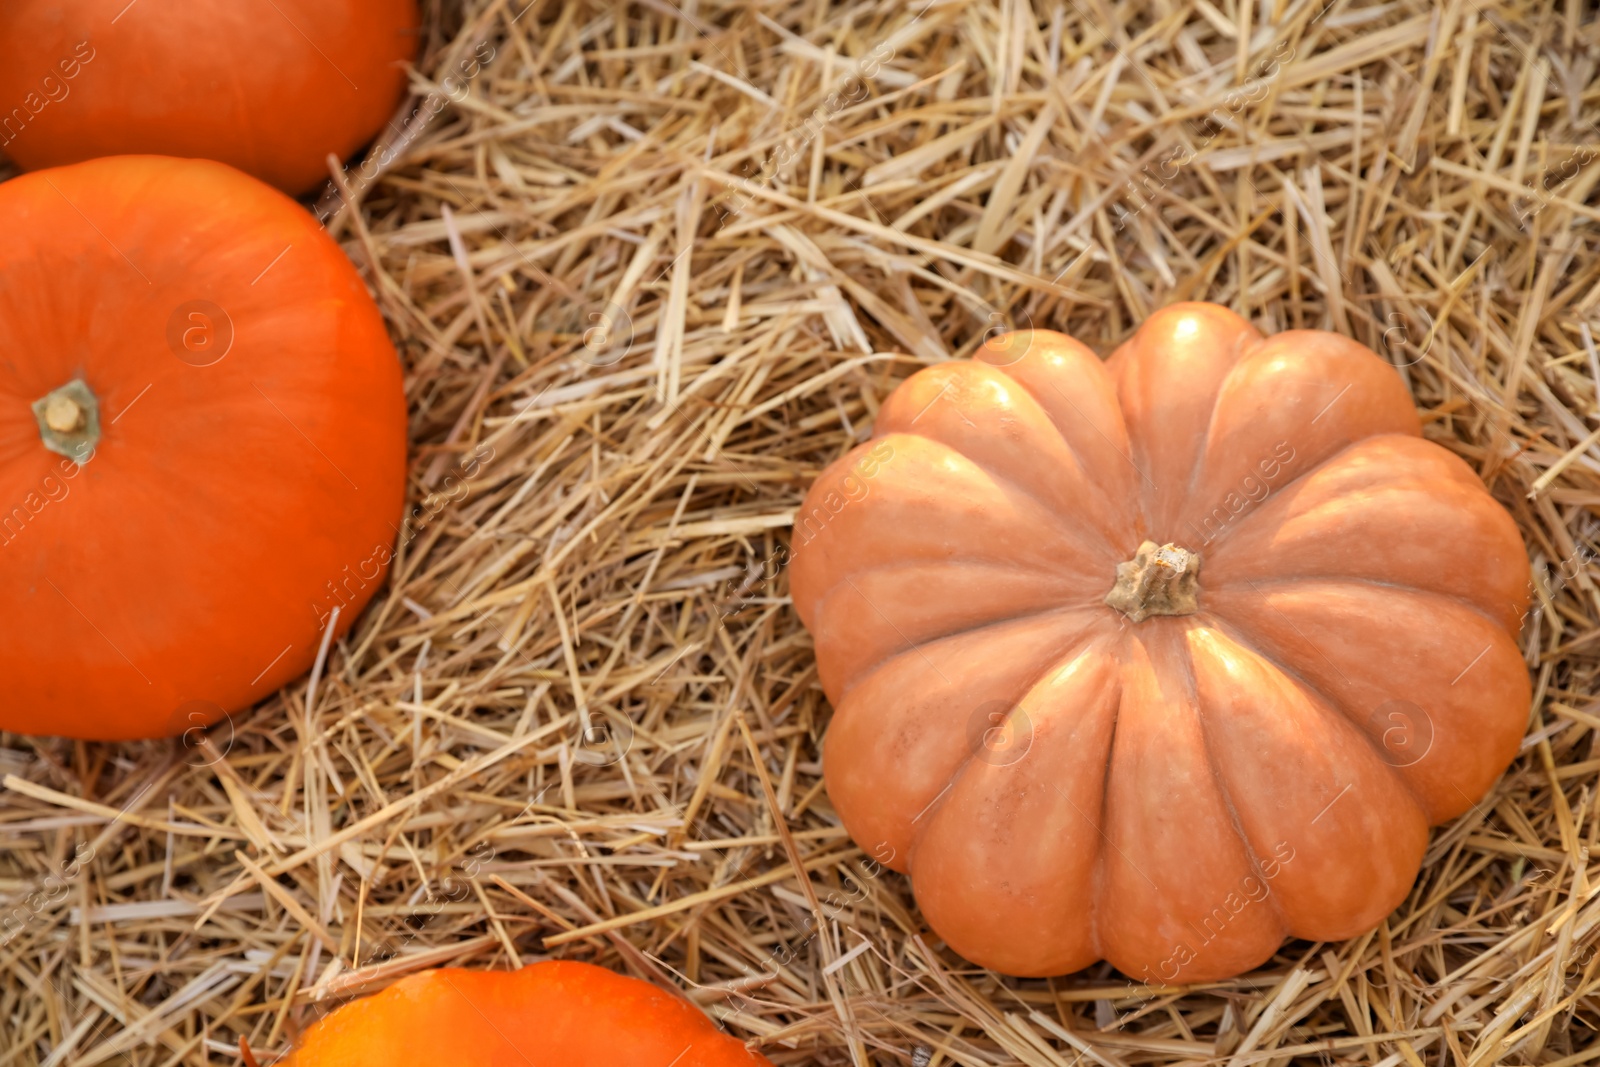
(552, 1014)
(269, 86)
(202, 445)
(1160, 659)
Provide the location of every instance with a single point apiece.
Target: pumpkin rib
(1053, 664)
(1051, 513)
(903, 481)
(937, 805)
(1501, 659)
(1339, 725)
(924, 720)
(1245, 639)
(1013, 368)
(976, 561)
(955, 635)
(1181, 858)
(1248, 640)
(1344, 579)
(1239, 521)
(1049, 544)
(1267, 394)
(1100, 876)
(1451, 510)
(1109, 550)
(981, 816)
(969, 387)
(1089, 599)
(1192, 331)
(1241, 354)
(1208, 732)
(1095, 484)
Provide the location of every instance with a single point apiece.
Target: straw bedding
(649, 269)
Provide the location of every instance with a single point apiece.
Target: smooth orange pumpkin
(551, 1014)
(1163, 659)
(269, 86)
(202, 445)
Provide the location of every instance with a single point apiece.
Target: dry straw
(650, 268)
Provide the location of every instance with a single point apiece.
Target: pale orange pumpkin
(1161, 659)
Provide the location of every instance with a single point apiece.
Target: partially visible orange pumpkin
(269, 86)
(552, 1014)
(202, 445)
(1160, 659)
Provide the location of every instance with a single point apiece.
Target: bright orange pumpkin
(1160, 659)
(269, 86)
(202, 445)
(552, 1014)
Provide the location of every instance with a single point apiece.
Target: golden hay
(650, 269)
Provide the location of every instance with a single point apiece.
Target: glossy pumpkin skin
(551, 1014)
(268, 86)
(1176, 795)
(185, 570)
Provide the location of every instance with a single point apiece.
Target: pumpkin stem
(1158, 580)
(69, 421)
